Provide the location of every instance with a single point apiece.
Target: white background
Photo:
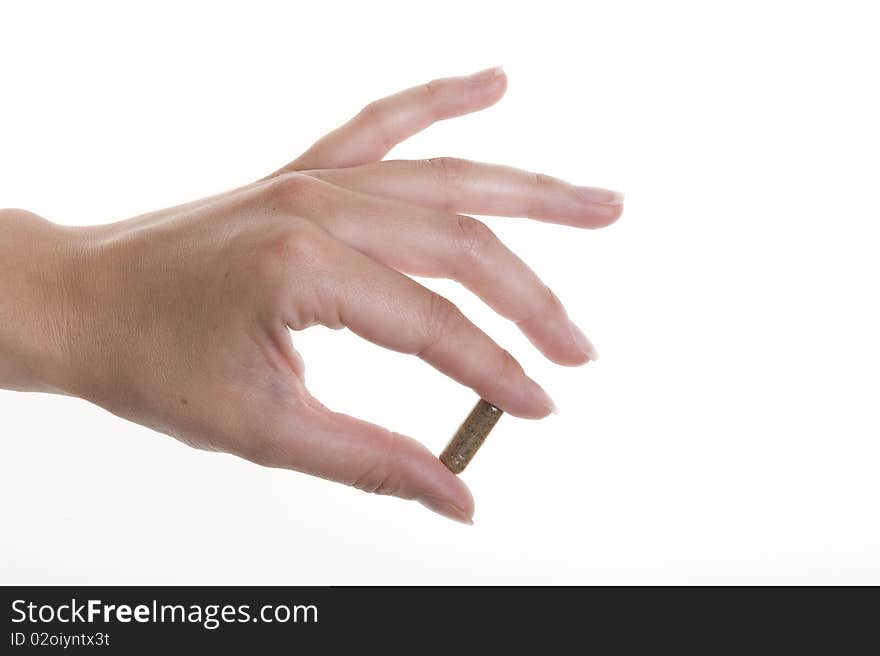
(729, 433)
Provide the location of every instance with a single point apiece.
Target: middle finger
(460, 185)
(427, 242)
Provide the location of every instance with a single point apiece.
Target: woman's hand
(179, 320)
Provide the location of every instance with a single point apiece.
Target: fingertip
(487, 75)
(489, 85)
(582, 344)
(428, 481)
(601, 216)
(568, 358)
(501, 85)
(558, 338)
(448, 509)
(498, 84)
(531, 401)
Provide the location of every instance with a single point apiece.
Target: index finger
(384, 123)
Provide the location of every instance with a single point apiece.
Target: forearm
(34, 257)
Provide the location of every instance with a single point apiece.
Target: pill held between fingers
(470, 436)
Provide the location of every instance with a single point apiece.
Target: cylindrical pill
(470, 436)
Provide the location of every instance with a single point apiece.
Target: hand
(179, 320)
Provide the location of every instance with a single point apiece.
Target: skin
(181, 319)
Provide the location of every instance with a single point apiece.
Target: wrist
(37, 266)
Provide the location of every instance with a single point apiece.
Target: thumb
(371, 458)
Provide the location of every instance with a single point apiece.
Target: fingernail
(594, 195)
(445, 508)
(488, 74)
(586, 347)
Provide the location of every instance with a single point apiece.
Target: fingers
(426, 242)
(392, 310)
(384, 123)
(463, 186)
(350, 451)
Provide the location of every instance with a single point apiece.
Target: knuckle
(445, 172)
(431, 90)
(507, 367)
(549, 305)
(381, 475)
(546, 307)
(373, 117)
(260, 446)
(287, 190)
(431, 87)
(261, 432)
(442, 319)
(372, 113)
(544, 181)
(314, 174)
(371, 110)
(448, 171)
(261, 450)
(295, 244)
(551, 300)
(474, 238)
